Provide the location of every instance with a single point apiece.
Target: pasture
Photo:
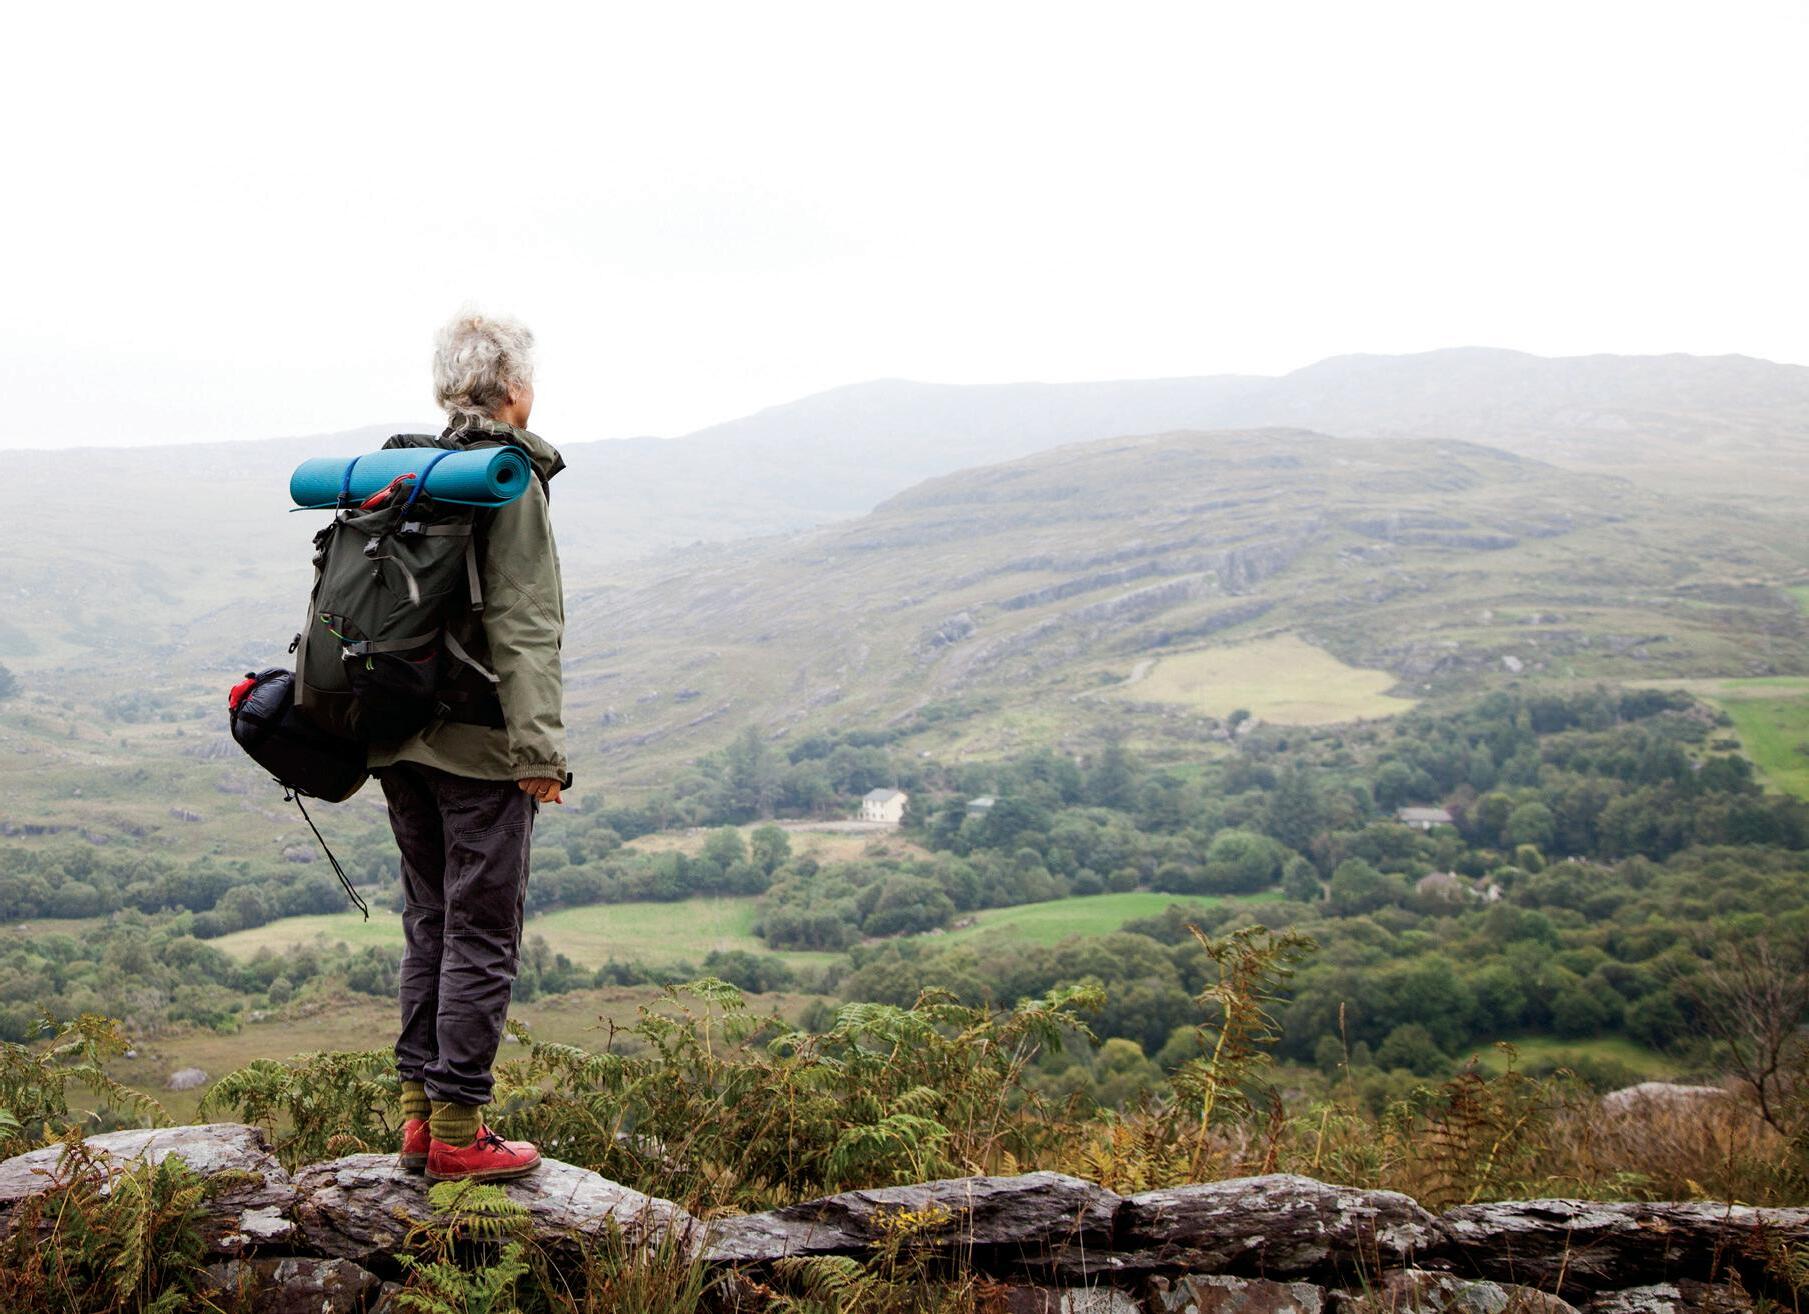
(656, 934)
(1092, 914)
(1282, 679)
(1771, 716)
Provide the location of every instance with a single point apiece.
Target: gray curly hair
(476, 358)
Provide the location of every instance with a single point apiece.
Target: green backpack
(377, 660)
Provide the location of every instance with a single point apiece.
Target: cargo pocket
(394, 693)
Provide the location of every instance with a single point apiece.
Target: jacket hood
(544, 456)
(541, 454)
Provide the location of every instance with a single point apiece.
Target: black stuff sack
(302, 757)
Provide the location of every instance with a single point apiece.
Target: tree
(724, 847)
(1300, 882)
(1358, 887)
(9, 684)
(769, 847)
(1242, 862)
(1111, 783)
(1754, 1000)
(1530, 823)
(1411, 1046)
(753, 775)
(1295, 811)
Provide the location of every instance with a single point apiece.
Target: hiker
(463, 797)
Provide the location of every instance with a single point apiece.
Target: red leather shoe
(489, 1158)
(415, 1140)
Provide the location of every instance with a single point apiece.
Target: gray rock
(185, 1079)
(1010, 1221)
(1661, 1095)
(1064, 1300)
(296, 1286)
(360, 1207)
(251, 1212)
(1413, 1291)
(1588, 1246)
(1279, 1224)
(1683, 1297)
(1216, 1294)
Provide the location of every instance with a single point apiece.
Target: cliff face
(324, 1239)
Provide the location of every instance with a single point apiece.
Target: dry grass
(1282, 679)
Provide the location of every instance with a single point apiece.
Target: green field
(1284, 679)
(1093, 914)
(652, 933)
(1649, 1064)
(1771, 716)
(662, 933)
(1775, 734)
(1801, 593)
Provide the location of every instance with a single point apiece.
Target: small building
(1423, 818)
(1446, 885)
(884, 805)
(979, 807)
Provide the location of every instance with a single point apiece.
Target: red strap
(241, 691)
(383, 495)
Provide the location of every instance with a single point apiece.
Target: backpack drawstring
(290, 796)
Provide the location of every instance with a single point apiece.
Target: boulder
(1413, 1291)
(1682, 1297)
(1011, 1299)
(1661, 1095)
(996, 1223)
(1589, 1246)
(1197, 1293)
(362, 1206)
(185, 1079)
(1255, 1226)
(287, 1285)
(250, 1212)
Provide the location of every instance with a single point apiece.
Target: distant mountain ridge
(144, 536)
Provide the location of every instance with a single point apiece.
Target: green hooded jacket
(517, 635)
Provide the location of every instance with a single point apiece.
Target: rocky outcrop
(361, 1207)
(1589, 1246)
(1279, 1224)
(991, 1222)
(290, 1285)
(252, 1208)
(1045, 1243)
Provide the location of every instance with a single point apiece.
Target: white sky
(246, 220)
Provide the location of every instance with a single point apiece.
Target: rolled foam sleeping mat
(488, 476)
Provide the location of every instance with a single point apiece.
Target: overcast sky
(247, 220)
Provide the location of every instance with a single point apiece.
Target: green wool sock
(415, 1103)
(454, 1124)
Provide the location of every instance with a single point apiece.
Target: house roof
(882, 795)
(1437, 816)
(984, 801)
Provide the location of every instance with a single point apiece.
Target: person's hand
(544, 789)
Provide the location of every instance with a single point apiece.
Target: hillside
(1011, 602)
(126, 546)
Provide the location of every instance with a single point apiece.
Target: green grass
(1775, 734)
(1771, 716)
(652, 933)
(1282, 679)
(1648, 1064)
(1801, 593)
(1093, 914)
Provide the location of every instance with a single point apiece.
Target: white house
(887, 805)
(979, 807)
(1423, 818)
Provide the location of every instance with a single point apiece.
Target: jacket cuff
(540, 771)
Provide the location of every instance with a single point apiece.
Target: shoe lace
(490, 1140)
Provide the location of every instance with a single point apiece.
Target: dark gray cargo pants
(465, 880)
